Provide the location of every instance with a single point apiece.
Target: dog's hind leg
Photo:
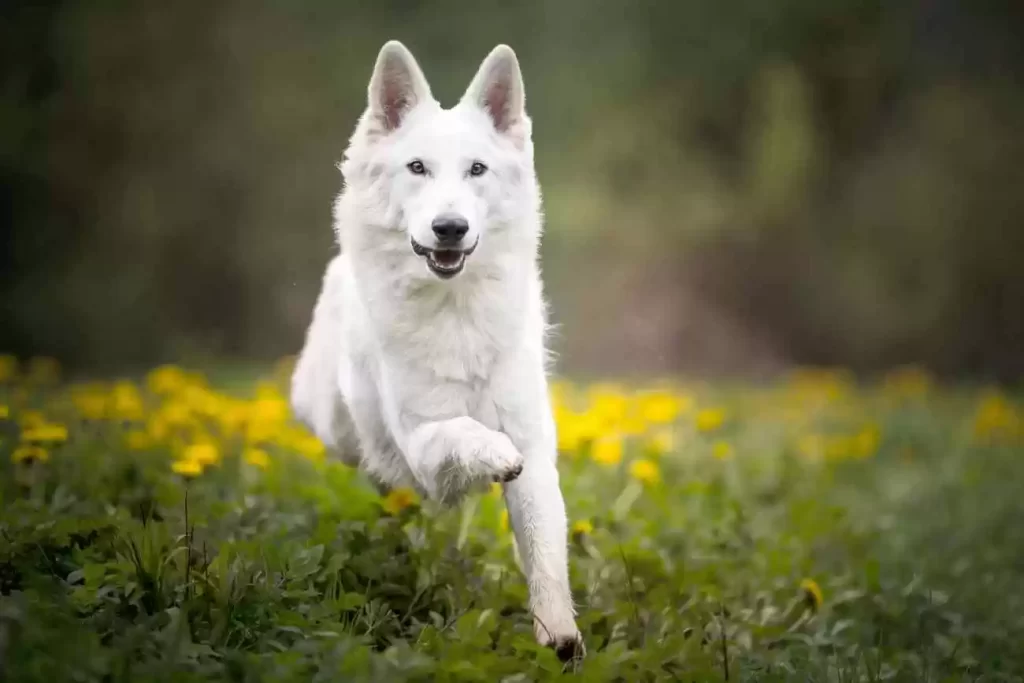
(315, 393)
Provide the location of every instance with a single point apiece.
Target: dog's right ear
(396, 87)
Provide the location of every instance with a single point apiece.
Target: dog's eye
(477, 169)
(416, 167)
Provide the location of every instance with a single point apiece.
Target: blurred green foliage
(729, 187)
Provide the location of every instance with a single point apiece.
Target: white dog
(425, 360)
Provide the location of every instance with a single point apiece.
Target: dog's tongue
(447, 258)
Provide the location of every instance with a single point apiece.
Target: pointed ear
(498, 89)
(397, 85)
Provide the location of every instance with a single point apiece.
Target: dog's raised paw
(510, 475)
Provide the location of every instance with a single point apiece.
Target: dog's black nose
(450, 228)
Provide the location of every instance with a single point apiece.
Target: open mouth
(443, 262)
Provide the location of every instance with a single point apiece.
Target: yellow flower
(138, 440)
(399, 499)
(995, 416)
(310, 447)
(839, 448)
(608, 402)
(645, 471)
(582, 527)
(257, 457)
(43, 370)
(722, 450)
(166, 379)
(272, 409)
(811, 446)
(126, 402)
(608, 450)
(812, 593)
(710, 419)
(8, 368)
(31, 418)
(30, 453)
(46, 433)
(5, 411)
(202, 453)
(866, 441)
(187, 468)
(575, 429)
(175, 414)
(90, 401)
(661, 442)
(662, 407)
(633, 425)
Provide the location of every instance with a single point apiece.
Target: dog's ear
(498, 89)
(397, 85)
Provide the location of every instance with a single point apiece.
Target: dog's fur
(433, 380)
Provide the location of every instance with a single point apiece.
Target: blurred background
(731, 188)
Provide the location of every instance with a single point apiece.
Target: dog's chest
(458, 337)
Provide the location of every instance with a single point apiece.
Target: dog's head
(447, 182)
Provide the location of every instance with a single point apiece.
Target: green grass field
(808, 530)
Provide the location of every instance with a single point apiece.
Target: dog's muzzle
(444, 262)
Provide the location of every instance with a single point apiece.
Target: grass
(811, 530)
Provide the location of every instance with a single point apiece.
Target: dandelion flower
(661, 442)
(399, 499)
(46, 433)
(30, 453)
(811, 446)
(663, 407)
(995, 416)
(722, 450)
(31, 418)
(608, 450)
(633, 425)
(311, 448)
(570, 434)
(257, 457)
(582, 528)
(608, 401)
(812, 593)
(867, 441)
(710, 419)
(5, 412)
(202, 453)
(166, 379)
(645, 471)
(126, 402)
(273, 409)
(90, 402)
(187, 468)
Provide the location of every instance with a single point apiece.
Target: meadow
(179, 526)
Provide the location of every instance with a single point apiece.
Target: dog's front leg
(537, 513)
(448, 457)
(535, 505)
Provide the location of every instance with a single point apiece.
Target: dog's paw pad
(569, 648)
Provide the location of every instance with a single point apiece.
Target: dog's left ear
(498, 89)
